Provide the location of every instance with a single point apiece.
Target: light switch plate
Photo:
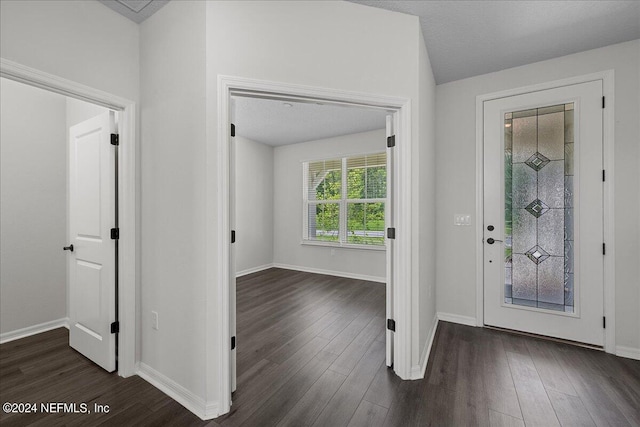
(462, 219)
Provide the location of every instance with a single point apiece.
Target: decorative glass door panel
(538, 183)
(543, 265)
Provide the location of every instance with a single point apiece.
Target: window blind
(345, 200)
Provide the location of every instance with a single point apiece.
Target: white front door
(92, 263)
(543, 213)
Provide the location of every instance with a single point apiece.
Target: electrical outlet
(154, 320)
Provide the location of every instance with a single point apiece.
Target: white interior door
(391, 125)
(92, 263)
(543, 215)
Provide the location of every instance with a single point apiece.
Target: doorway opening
(397, 220)
(81, 108)
(309, 188)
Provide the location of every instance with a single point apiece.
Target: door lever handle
(491, 240)
(68, 248)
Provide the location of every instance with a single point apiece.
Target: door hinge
(233, 129)
(391, 141)
(233, 343)
(391, 325)
(603, 175)
(233, 236)
(604, 322)
(604, 249)
(115, 139)
(115, 233)
(603, 102)
(115, 327)
(391, 233)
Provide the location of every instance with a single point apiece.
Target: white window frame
(342, 203)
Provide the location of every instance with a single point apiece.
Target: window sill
(344, 245)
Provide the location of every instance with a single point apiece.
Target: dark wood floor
(311, 352)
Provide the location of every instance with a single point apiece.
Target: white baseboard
(456, 318)
(253, 270)
(628, 352)
(186, 398)
(33, 330)
(332, 273)
(418, 371)
(211, 411)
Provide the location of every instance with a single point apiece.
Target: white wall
(288, 208)
(173, 221)
(254, 204)
(424, 163)
(456, 175)
(33, 206)
(82, 41)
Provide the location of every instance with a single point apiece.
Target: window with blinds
(344, 200)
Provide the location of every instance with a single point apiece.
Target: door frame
(218, 223)
(608, 123)
(126, 193)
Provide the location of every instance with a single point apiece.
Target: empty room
(340, 213)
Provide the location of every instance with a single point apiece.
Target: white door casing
(218, 243)
(92, 264)
(585, 323)
(391, 124)
(232, 256)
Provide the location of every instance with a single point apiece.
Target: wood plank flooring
(311, 353)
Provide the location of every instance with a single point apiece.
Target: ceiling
(136, 10)
(466, 38)
(271, 122)
(463, 38)
(469, 38)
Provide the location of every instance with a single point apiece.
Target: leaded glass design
(539, 165)
(537, 208)
(537, 254)
(537, 162)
